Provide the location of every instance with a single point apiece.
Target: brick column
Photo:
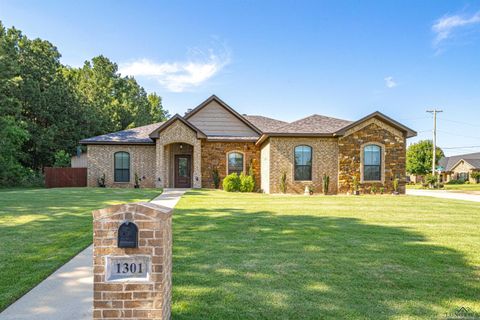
(132, 282)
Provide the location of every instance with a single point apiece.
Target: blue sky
(284, 59)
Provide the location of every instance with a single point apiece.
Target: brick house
(459, 167)
(183, 151)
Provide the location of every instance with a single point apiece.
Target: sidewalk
(67, 293)
(444, 194)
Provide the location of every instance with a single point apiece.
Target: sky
(284, 59)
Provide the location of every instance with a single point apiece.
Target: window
(372, 160)
(122, 167)
(235, 162)
(463, 176)
(303, 163)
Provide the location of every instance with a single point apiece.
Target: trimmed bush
(231, 183)
(456, 182)
(247, 184)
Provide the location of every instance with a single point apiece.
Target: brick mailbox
(132, 262)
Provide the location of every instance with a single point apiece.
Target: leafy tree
(46, 106)
(62, 159)
(419, 157)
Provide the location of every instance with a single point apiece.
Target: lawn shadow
(233, 264)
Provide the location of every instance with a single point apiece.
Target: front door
(183, 171)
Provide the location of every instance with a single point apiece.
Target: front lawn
(41, 229)
(451, 187)
(254, 256)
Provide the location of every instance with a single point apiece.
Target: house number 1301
(129, 268)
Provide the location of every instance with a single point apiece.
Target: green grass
(451, 187)
(253, 256)
(41, 229)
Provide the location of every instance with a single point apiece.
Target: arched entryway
(180, 165)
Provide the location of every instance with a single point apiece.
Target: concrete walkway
(444, 194)
(67, 294)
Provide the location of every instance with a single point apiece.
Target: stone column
(133, 281)
(160, 169)
(197, 162)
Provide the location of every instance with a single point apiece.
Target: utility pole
(434, 112)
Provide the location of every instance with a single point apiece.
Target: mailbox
(128, 235)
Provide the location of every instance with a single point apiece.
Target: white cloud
(179, 76)
(445, 26)
(390, 82)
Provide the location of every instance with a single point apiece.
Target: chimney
(188, 111)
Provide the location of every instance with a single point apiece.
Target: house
(459, 167)
(185, 150)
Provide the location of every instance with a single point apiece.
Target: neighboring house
(459, 167)
(184, 151)
(79, 160)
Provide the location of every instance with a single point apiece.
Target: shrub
(283, 182)
(456, 182)
(395, 184)
(247, 184)
(62, 159)
(476, 176)
(32, 178)
(216, 178)
(373, 189)
(231, 183)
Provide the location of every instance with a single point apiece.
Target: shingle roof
(138, 135)
(315, 124)
(264, 123)
(449, 162)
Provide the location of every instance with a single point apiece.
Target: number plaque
(127, 268)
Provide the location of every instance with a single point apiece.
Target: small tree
(431, 180)
(62, 159)
(232, 183)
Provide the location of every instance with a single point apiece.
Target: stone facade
(350, 157)
(148, 298)
(177, 132)
(101, 161)
(324, 160)
(214, 155)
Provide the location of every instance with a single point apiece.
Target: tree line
(46, 107)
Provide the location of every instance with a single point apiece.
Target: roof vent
(244, 114)
(188, 111)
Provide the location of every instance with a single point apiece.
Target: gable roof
(264, 123)
(139, 135)
(448, 163)
(377, 114)
(156, 132)
(224, 105)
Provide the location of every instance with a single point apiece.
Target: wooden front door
(183, 170)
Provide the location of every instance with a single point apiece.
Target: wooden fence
(65, 177)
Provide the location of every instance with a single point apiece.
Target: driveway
(444, 194)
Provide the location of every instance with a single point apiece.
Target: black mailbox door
(128, 235)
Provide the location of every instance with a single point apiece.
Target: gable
(215, 120)
(379, 123)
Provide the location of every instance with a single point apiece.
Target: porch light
(181, 146)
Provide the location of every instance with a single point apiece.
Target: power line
(459, 135)
(460, 122)
(467, 147)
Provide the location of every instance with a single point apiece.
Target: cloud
(445, 26)
(390, 82)
(182, 75)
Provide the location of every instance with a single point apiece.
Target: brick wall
(214, 155)
(393, 145)
(101, 161)
(149, 299)
(324, 160)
